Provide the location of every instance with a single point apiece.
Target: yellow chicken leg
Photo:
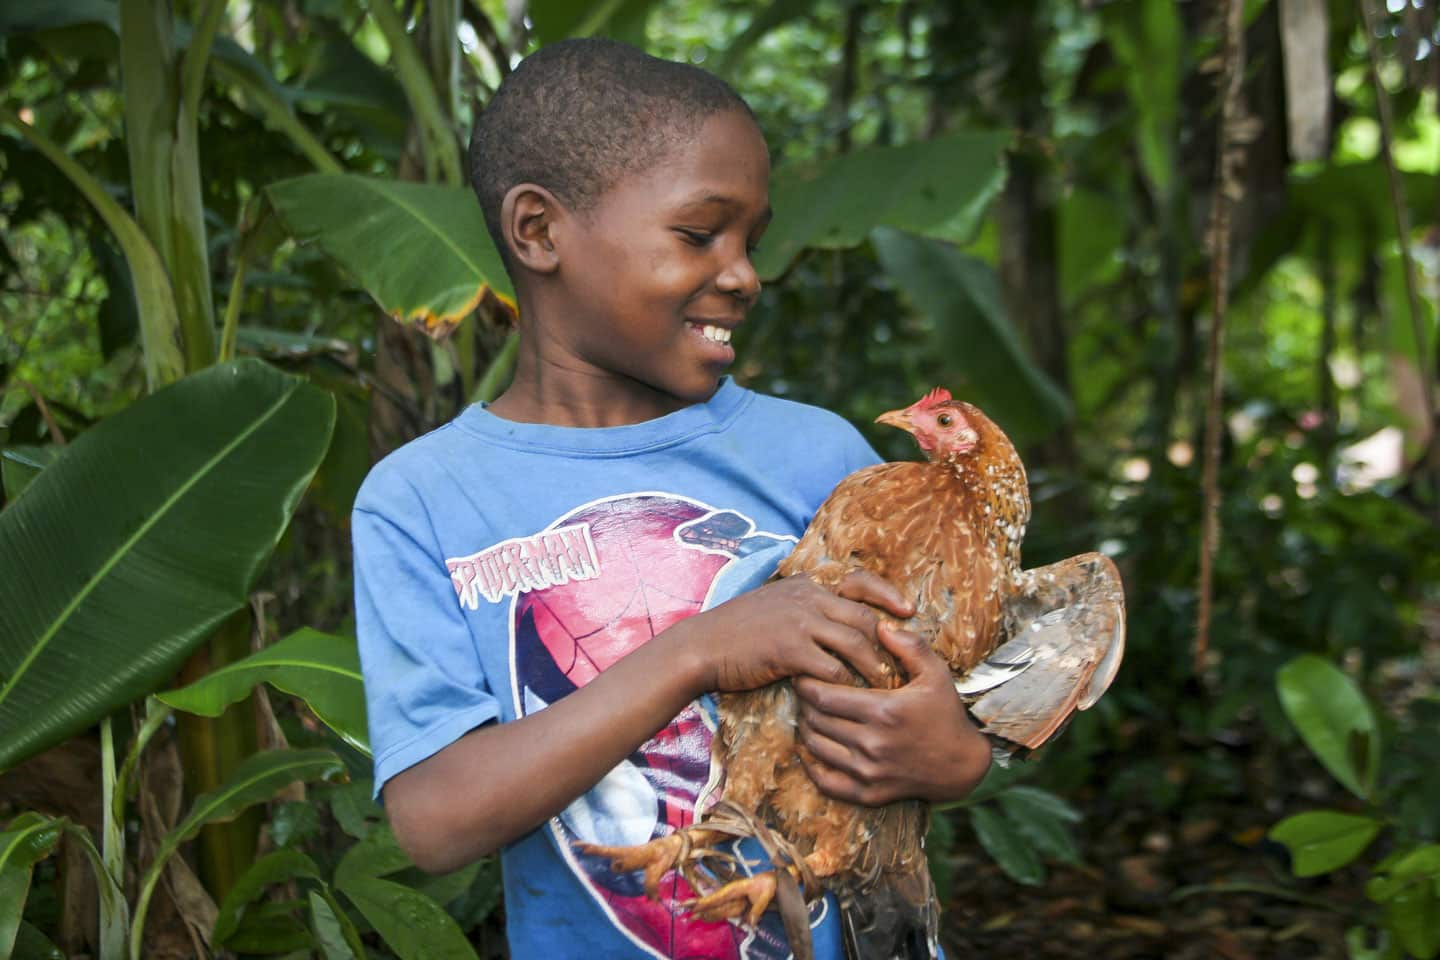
(731, 901)
(656, 858)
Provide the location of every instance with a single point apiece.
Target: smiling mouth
(713, 333)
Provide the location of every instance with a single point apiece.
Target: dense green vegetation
(203, 202)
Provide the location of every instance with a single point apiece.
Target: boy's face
(658, 273)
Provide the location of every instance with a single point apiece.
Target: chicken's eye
(944, 419)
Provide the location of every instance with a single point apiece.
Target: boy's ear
(527, 217)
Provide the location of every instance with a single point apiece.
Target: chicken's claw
(730, 901)
(656, 858)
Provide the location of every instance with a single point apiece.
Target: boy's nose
(740, 280)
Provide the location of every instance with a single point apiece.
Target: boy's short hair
(578, 115)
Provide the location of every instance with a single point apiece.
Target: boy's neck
(543, 392)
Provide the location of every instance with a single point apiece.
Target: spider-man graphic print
(639, 563)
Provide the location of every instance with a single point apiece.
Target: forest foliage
(239, 264)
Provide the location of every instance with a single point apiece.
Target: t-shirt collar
(672, 428)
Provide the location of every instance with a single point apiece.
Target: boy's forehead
(725, 163)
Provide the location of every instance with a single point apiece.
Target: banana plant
(126, 552)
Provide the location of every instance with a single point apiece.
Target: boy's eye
(697, 238)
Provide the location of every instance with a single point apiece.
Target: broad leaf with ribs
(1027, 648)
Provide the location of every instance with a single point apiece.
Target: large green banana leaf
(939, 188)
(320, 668)
(146, 533)
(421, 251)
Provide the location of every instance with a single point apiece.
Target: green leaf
(334, 934)
(939, 852)
(29, 839)
(31, 944)
(376, 855)
(271, 928)
(77, 29)
(353, 809)
(617, 19)
(983, 353)
(1401, 868)
(939, 188)
(1040, 817)
(319, 668)
(446, 888)
(1334, 719)
(476, 905)
(21, 464)
(254, 781)
(268, 870)
(411, 924)
(1008, 846)
(1413, 915)
(421, 251)
(1324, 840)
(146, 533)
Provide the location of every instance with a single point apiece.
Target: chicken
(1027, 648)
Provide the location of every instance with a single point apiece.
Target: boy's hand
(876, 746)
(794, 627)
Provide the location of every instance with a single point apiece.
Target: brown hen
(1027, 648)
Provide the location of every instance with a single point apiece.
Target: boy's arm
(497, 783)
(874, 746)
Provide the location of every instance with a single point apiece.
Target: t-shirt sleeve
(425, 686)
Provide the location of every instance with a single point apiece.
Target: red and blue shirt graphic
(655, 558)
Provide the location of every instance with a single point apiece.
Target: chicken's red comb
(935, 397)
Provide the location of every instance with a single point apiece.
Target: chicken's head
(943, 427)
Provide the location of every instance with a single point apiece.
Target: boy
(547, 587)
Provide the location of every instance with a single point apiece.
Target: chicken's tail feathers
(1066, 629)
(897, 920)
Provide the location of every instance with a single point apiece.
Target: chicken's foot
(659, 856)
(749, 897)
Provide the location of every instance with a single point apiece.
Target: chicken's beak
(898, 418)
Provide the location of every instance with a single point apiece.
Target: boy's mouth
(712, 333)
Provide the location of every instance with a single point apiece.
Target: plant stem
(497, 375)
(211, 749)
(1402, 212)
(112, 825)
(1228, 188)
(156, 713)
(229, 328)
(442, 153)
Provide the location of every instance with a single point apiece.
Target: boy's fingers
(847, 733)
(822, 666)
(856, 649)
(848, 702)
(865, 587)
(832, 752)
(915, 654)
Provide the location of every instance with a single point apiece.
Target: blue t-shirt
(501, 565)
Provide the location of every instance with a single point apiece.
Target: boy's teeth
(718, 334)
